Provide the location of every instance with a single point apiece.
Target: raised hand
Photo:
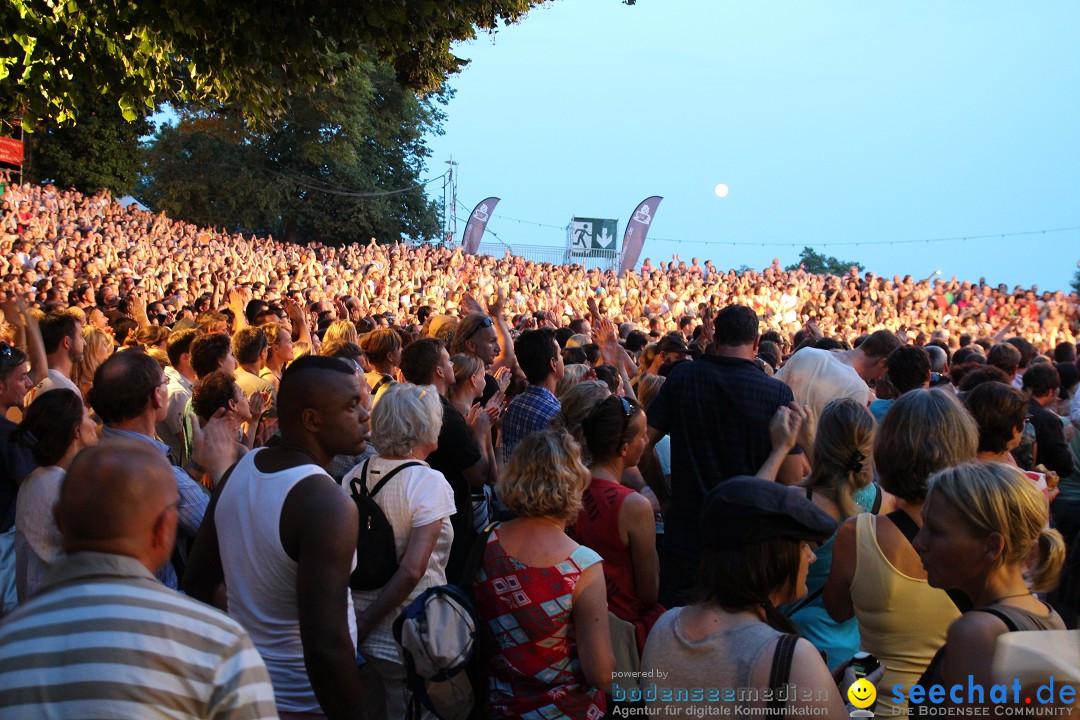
(478, 420)
(496, 308)
(503, 376)
(785, 426)
(468, 302)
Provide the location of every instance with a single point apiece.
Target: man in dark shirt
(1042, 381)
(459, 457)
(15, 464)
(717, 411)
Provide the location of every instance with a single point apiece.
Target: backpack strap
(388, 476)
(364, 492)
(907, 526)
(877, 500)
(383, 382)
(781, 670)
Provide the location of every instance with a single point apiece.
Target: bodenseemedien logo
(1000, 700)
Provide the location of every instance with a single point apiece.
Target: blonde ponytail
(1044, 575)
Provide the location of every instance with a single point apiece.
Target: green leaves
(101, 151)
(821, 264)
(251, 54)
(315, 173)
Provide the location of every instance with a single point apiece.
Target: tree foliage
(1076, 281)
(819, 263)
(101, 151)
(328, 169)
(247, 54)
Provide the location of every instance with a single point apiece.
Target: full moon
(721, 190)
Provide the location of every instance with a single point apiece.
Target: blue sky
(838, 121)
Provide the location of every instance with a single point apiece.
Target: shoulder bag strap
(1009, 623)
(781, 669)
(387, 477)
(384, 380)
(475, 558)
(907, 526)
(904, 524)
(877, 500)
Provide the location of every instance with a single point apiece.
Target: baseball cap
(671, 344)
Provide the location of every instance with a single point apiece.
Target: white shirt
(415, 497)
(38, 543)
(819, 376)
(54, 380)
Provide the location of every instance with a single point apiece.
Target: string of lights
(856, 243)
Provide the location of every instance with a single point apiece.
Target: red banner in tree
(11, 151)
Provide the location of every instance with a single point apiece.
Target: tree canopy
(340, 164)
(247, 54)
(101, 151)
(821, 264)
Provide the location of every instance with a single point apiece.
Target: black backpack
(376, 555)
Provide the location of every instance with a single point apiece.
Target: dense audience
(87, 251)
(675, 479)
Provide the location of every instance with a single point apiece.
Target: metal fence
(602, 259)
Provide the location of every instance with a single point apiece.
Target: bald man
(281, 534)
(104, 638)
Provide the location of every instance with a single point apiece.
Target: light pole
(450, 202)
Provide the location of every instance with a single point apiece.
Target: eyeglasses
(485, 323)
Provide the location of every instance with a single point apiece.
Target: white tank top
(260, 577)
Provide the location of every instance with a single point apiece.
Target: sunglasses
(485, 323)
(628, 409)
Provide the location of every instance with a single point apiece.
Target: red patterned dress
(529, 652)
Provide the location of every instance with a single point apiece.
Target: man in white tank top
(281, 535)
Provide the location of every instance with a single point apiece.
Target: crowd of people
(676, 482)
(63, 247)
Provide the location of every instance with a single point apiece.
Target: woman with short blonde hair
(542, 484)
(99, 346)
(341, 330)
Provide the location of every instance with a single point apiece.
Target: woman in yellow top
(876, 574)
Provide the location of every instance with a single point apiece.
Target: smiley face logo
(862, 693)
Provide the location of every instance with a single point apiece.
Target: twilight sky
(833, 123)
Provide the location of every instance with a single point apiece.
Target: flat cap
(745, 511)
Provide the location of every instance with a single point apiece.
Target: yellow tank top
(902, 620)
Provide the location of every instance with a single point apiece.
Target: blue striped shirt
(193, 502)
(529, 412)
